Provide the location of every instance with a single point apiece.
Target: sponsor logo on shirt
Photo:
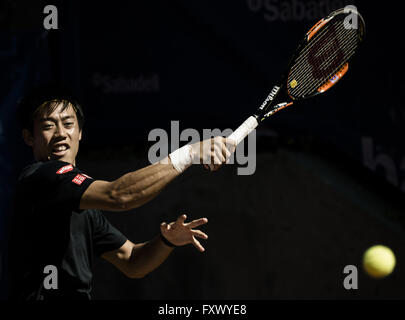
(65, 169)
(79, 179)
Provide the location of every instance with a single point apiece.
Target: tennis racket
(320, 61)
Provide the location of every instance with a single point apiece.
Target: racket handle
(244, 129)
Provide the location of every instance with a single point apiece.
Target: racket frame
(269, 106)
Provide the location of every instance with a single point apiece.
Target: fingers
(196, 223)
(213, 152)
(163, 226)
(198, 245)
(223, 149)
(181, 219)
(227, 147)
(180, 233)
(227, 154)
(230, 145)
(199, 234)
(220, 154)
(216, 151)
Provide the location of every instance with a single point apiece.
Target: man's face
(55, 136)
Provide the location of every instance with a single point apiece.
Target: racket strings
(307, 66)
(312, 73)
(308, 86)
(304, 51)
(324, 55)
(306, 73)
(349, 38)
(320, 38)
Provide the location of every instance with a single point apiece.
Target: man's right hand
(213, 152)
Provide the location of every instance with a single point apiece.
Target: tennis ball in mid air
(379, 261)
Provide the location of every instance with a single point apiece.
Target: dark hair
(44, 98)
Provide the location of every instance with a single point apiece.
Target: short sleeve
(58, 184)
(105, 236)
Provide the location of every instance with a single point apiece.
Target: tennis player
(57, 221)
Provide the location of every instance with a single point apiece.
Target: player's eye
(68, 124)
(47, 126)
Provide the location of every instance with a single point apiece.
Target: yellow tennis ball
(379, 261)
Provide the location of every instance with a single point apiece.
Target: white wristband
(181, 158)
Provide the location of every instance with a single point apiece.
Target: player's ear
(28, 137)
(80, 134)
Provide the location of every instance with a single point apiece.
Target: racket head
(323, 56)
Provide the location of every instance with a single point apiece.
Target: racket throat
(276, 109)
(270, 97)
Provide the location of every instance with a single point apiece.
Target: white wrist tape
(182, 158)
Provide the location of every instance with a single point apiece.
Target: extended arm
(129, 191)
(139, 187)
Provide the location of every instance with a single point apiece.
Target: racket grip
(244, 129)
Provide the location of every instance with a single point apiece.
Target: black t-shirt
(49, 229)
